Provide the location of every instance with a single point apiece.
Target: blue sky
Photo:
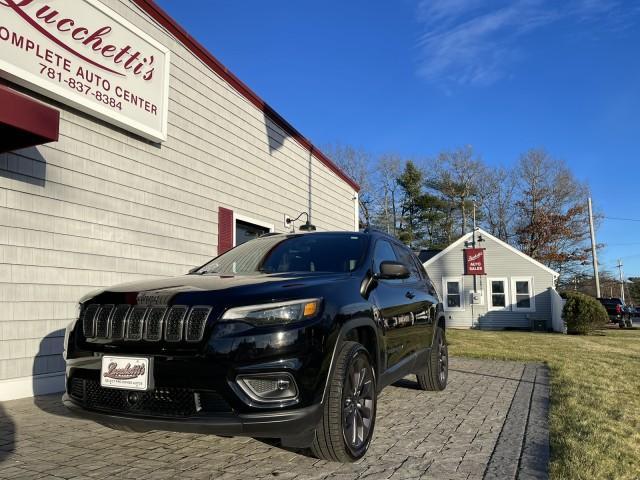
(417, 77)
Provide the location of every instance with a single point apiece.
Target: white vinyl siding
(453, 288)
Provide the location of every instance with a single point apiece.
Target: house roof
(164, 19)
(428, 253)
(467, 236)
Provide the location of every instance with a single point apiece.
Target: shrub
(583, 313)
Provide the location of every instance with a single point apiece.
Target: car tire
(434, 377)
(349, 411)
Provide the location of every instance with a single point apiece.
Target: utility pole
(475, 280)
(594, 254)
(621, 280)
(473, 244)
(474, 224)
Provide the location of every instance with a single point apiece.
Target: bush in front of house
(583, 313)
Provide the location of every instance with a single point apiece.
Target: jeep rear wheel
(436, 373)
(349, 412)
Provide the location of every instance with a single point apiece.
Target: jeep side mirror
(393, 271)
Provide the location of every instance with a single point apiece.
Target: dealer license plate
(129, 373)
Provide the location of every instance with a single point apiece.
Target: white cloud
(436, 10)
(474, 42)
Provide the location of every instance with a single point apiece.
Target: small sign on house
(474, 261)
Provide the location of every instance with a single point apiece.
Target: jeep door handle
(410, 295)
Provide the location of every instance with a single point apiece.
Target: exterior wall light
(307, 227)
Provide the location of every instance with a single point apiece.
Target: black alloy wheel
(349, 411)
(357, 409)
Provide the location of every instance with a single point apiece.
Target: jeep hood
(166, 288)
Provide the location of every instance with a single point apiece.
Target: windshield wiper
(201, 272)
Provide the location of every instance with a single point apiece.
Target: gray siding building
(146, 173)
(515, 291)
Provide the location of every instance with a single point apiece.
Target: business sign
(85, 55)
(474, 261)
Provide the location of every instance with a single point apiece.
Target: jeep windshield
(316, 252)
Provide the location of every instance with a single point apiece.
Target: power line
(623, 219)
(631, 256)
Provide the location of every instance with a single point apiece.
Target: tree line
(537, 204)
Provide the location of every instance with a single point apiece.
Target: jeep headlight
(275, 313)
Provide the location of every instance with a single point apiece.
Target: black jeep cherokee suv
(289, 336)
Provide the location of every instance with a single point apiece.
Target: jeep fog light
(269, 387)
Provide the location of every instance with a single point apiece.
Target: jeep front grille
(196, 321)
(135, 323)
(174, 324)
(88, 320)
(102, 321)
(153, 325)
(142, 323)
(118, 321)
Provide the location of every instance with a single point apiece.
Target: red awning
(25, 122)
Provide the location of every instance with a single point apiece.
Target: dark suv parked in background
(288, 336)
(618, 312)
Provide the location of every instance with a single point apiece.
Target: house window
(246, 229)
(453, 297)
(522, 294)
(498, 296)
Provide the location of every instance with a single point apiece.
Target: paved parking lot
(491, 422)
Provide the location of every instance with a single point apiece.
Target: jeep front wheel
(349, 412)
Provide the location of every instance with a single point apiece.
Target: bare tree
(456, 175)
(552, 222)
(496, 197)
(389, 168)
(357, 164)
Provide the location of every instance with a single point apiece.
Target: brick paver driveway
(474, 429)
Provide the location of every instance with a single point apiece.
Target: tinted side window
(405, 257)
(383, 253)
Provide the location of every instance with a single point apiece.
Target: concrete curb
(522, 449)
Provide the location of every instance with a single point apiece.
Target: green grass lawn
(595, 394)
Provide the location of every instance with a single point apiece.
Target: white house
(515, 291)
